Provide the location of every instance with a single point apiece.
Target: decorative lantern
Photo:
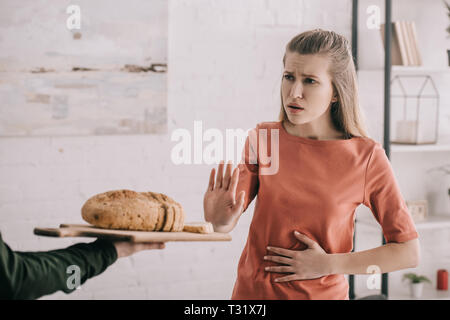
(414, 110)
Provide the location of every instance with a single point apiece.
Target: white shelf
(439, 146)
(432, 222)
(409, 69)
(419, 69)
(428, 293)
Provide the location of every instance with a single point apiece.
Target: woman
(301, 236)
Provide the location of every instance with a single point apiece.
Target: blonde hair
(345, 112)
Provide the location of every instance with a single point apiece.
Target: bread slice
(174, 216)
(170, 217)
(153, 196)
(199, 227)
(161, 219)
(178, 222)
(179, 218)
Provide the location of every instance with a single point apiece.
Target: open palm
(221, 207)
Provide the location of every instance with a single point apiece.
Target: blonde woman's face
(306, 82)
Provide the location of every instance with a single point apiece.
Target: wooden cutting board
(85, 230)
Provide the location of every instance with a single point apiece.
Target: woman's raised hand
(221, 206)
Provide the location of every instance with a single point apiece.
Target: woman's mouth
(295, 109)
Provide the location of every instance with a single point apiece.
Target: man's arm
(30, 275)
(387, 258)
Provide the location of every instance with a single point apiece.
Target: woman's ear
(335, 95)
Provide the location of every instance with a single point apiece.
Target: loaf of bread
(131, 210)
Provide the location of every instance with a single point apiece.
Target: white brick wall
(224, 69)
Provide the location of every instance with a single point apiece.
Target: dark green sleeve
(30, 275)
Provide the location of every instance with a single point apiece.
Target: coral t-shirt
(314, 187)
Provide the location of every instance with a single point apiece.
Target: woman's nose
(297, 90)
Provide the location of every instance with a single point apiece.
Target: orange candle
(442, 279)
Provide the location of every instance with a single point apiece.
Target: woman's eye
(307, 80)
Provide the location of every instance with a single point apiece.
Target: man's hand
(126, 248)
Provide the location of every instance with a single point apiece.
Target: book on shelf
(397, 53)
(412, 43)
(404, 44)
(416, 44)
(407, 43)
